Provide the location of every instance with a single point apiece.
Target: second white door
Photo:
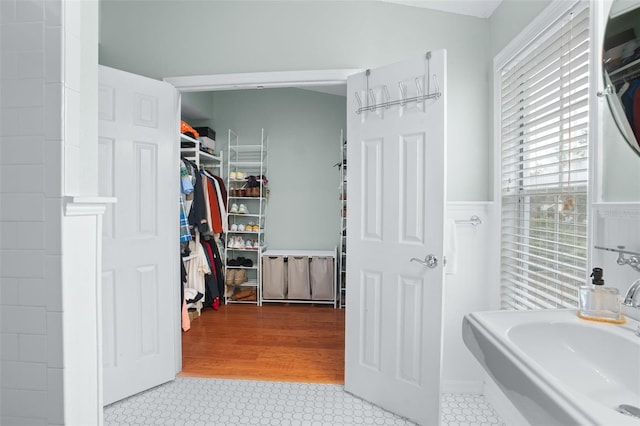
(138, 164)
(396, 175)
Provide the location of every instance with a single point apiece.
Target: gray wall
(176, 38)
(509, 19)
(304, 145)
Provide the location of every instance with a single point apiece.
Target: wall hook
(372, 96)
(359, 100)
(385, 94)
(403, 92)
(435, 83)
(418, 86)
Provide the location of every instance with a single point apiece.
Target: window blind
(544, 167)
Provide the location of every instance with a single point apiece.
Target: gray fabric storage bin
(321, 277)
(274, 277)
(299, 278)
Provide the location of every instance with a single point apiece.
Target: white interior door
(138, 164)
(396, 176)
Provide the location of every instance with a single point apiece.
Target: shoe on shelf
(234, 208)
(233, 175)
(243, 209)
(240, 277)
(231, 273)
(241, 175)
(237, 242)
(247, 263)
(241, 227)
(248, 245)
(256, 228)
(234, 227)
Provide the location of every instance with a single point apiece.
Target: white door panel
(396, 176)
(138, 164)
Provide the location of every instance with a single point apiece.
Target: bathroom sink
(559, 369)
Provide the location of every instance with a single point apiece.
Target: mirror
(621, 63)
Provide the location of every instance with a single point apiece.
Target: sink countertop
(557, 368)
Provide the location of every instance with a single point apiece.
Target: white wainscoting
(467, 290)
(615, 224)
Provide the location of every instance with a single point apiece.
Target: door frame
(257, 80)
(262, 80)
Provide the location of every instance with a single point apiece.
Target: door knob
(430, 261)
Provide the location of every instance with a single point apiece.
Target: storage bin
(206, 132)
(298, 287)
(274, 277)
(321, 277)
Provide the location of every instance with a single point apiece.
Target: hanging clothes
(185, 233)
(197, 268)
(203, 209)
(628, 101)
(198, 214)
(186, 182)
(186, 322)
(217, 203)
(214, 282)
(635, 113)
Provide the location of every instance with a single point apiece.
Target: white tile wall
(32, 291)
(54, 340)
(31, 387)
(32, 10)
(33, 348)
(24, 375)
(10, 347)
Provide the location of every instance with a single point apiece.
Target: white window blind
(544, 123)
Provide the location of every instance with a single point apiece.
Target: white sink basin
(559, 369)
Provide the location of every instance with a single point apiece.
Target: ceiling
(477, 8)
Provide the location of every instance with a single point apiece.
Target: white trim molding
(261, 80)
(548, 17)
(86, 206)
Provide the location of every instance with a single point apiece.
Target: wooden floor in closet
(273, 342)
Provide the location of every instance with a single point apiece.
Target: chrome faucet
(632, 301)
(632, 294)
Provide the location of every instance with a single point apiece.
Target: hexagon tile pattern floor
(222, 402)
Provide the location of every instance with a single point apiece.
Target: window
(544, 122)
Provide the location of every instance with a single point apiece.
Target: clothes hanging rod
(474, 220)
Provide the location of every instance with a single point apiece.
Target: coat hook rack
(418, 87)
(359, 100)
(372, 96)
(403, 92)
(386, 98)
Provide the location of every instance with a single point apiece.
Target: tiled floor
(194, 401)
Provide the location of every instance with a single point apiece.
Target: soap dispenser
(599, 303)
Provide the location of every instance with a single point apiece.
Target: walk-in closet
(279, 159)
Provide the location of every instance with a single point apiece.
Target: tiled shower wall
(41, 155)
